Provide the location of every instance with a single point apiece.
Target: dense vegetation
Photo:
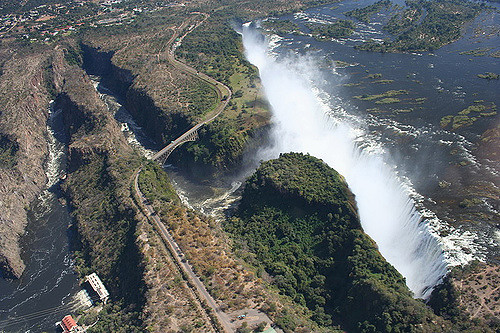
(155, 185)
(8, 149)
(337, 29)
(422, 25)
(298, 218)
(216, 49)
(280, 27)
(364, 14)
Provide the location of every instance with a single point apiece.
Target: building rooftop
(68, 323)
(96, 284)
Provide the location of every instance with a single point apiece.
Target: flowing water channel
(393, 156)
(389, 160)
(43, 294)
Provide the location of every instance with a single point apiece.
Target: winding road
(223, 95)
(252, 316)
(223, 92)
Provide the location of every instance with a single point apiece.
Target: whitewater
(303, 121)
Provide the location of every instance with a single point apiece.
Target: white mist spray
(387, 213)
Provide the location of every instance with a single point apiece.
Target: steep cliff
(155, 101)
(100, 167)
(24, 104)
(299, 218)
(166, 101)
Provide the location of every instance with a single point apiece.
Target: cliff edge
(299, 219)
(24, 111)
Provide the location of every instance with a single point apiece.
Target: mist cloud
(386, 210)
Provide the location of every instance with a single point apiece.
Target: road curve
(178, 257)
(224, 93)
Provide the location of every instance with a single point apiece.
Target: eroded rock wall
(24, 111)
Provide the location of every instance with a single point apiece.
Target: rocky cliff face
(161, 121)
(24, 111)
(160, 98)
(28, 83)
(100, 168)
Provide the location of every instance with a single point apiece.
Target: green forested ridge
(298, 217)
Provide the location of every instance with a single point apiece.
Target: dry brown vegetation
(479, 292)
(23, 115)
(170, 305)
(233, 284)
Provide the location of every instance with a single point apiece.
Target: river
(44, 293)
(411, 177)
(397, 152)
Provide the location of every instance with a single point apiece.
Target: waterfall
(304, 122)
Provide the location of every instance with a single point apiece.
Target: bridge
(223, 93)
(190, 135)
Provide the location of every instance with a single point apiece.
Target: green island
(468, 116)
(489, 76)
(384, 98)
(343, 64)
(280, 27)
(298, 220)
(478, 52)
(365, 14)
(337, 29)
(374, 76)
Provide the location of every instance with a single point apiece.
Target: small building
(68, 325)
(96, 284)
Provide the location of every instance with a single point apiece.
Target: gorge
(414, 139)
